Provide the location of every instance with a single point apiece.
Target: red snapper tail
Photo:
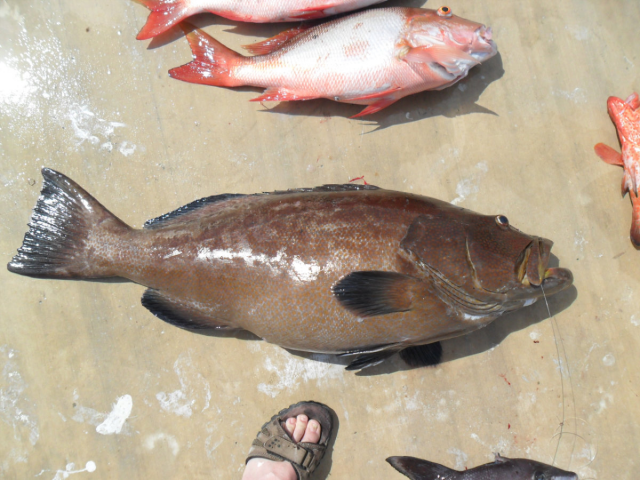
(213, 63)
(164, 15)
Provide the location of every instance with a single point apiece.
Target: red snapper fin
(447, 57)
(376, 107)
(608, 154)
(275, 94)
(213, 63)
(274, 43)
(384, 93)
(164, 15)
(635, 221)
(313, 12)
(634, 101)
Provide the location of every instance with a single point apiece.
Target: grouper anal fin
(180, 314)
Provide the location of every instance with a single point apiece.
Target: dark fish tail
(68, 233)
(418, 469)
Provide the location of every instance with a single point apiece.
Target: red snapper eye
(444, 12)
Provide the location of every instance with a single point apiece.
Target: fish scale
(319, 62)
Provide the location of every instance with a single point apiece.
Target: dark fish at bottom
(343, 269)
(502, 469)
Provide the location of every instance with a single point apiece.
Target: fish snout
(482, 45)
(555, 280)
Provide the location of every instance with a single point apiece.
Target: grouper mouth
(533, 272)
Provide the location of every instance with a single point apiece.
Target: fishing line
(555, 326)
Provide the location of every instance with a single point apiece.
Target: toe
(301, 426)
(290, 426)
(312, 433)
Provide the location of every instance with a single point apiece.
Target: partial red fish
(373, 58)
(167, 13)
(626, 117)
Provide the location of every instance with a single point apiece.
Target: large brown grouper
(344, 269)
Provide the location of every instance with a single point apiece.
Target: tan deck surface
(79, 94)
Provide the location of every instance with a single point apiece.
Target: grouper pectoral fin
(179, 314)
(418, 469)
(372, 293)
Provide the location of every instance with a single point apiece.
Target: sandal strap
(306, 455)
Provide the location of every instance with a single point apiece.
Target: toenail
(314, 426)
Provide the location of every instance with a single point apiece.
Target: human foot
(291, 444)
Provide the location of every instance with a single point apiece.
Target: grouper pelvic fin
(370, 359)
(422, 355)
(418, 469)
(372, 293)
(179, 314)
(167, 218)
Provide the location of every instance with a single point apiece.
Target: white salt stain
(304, 271)
(608, 360)
(296, 267)
(635, 320)
(69, 470)
(43, 88)
(461, 458)
(470, 185)
(16, 410)
(150, 442)
(110, 423)
(579, 32)
(577, 95)
(579, 241)
(194, 390)
(288, 373)
(534, 335)
(173, 253)
(116, 418)
(605, 401)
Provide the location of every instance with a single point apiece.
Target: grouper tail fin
(69, 234)
(418, 469)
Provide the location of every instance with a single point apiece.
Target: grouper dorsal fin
(168, 218)
(175, 216)
(418, 469)
(347, 187)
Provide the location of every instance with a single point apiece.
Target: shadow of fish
(347, 269)
(501, 469)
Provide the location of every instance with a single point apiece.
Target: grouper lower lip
(342, 269)
(556, 279)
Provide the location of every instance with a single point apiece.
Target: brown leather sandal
(274, 443)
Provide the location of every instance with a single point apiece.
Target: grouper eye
(444, 12)
(502, 221)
